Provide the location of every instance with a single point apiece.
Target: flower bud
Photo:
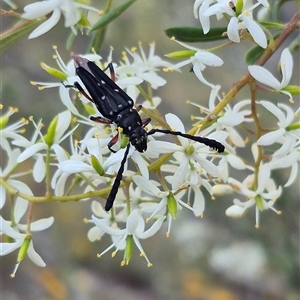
(23, 250)
(259, 203)
(49, 137)
(128, 248)
(234, 211)
(96, 165)
(54, 72)
(222, 189)
(181, 54)
(172, 205)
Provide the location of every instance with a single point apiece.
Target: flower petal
(153, 229)
(264, 76)
(270, 137)
(232, 30)
(209, 59)
(256, 31)
(146, 186)
(286, 63)
(31, 151)
(34, 256)
(47, 25)
(75, 166)
(42, 224)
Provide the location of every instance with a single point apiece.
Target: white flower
(20, 205)
(191, 150)
(288, 156)
(239, 19)
(264, 76)
(110, 165)
(200, 6)
(95, 233)
(63, 123)
(245, 21)
(155, 101)
(142, 68)
(283, 122)
(22, 238)
(230, 160)
(77, 156)
(54, 8)
(290, 160)
(263, 196)
(11, 131)
(200, 60)
(151, 189)
(68, 75)
(134, 230)
(228, 120)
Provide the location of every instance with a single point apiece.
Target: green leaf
(295, 44)
(272, 25)
(17, 33)
(113, 14)
(255, 53)
(99, 36)
(70, 41)
(195, 34)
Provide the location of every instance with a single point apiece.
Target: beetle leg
(145, 122)
(100, 120)
(112, 71)
(113, 142)
(139, 107)
(82, 91)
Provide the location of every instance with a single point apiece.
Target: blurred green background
(204, 259)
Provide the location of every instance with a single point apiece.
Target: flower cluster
(170, 176)
(240, 14)
(55, 8)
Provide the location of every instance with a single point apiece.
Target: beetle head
(138, 139)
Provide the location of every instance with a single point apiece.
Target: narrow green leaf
(70, 41)
(295, 44)
(272, 25)
(195, 34)
(17, 33)
(255, 53)
(113, 14)
(99, 36)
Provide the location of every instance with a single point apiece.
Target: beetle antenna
(208, 142)
(114, 190)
